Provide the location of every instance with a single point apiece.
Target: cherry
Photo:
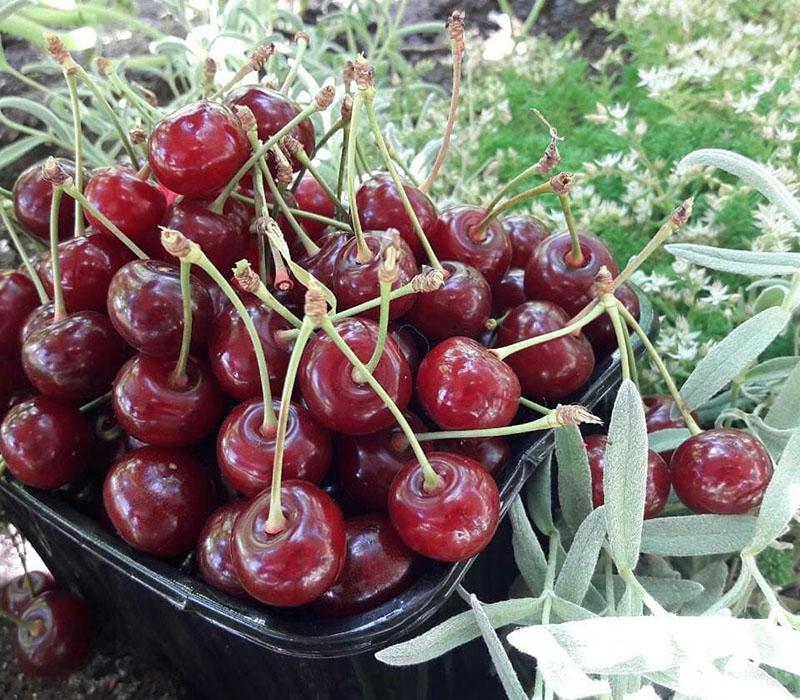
(213, 554)
(40, 317)
(312, 198)
(552, 370)
(457, 237)
(158, 499)
(600, 332)
(231, 353)
(525, 233)
(658, 416)
(509, 291)
(45, 442)
(335, 398)
(381, 208)
(407, 343)
(299, 563)
(492, 453)
(460, 306)
(152, 405)
(32, 196)
(18, 298)
(355, 282)
(322, 265)
(196, 150)
(550, 276)
(377, 567)
(453, 523)
(724, 471)
(245, 454)
(88, 264)
(17, 594)
(463, 386)
(658, 479)
(55, 636)
(75, 358)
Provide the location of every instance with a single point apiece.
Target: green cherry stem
(77, 142)
(12, 234)
(340, 178)
(364, 253)
(611, 305)
(297, 150)
(493, 213)
(60, 310)
(575, 258)
(302, 43)
(532, 405)
(333, 223)
(33, 626)
(260, 204)
(250, 282)
(179, 373)
(94, 403)
(387, 276)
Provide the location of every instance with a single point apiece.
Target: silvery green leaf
(657, 567)
(784, 412)
(568, 611)
(731, 355)
(713, 578)
(625, 476)
(458, 630)
(771, 296)
(574, 478)
(667, 439)
(774, 439)
(645, 693)
(576, 573)
(772, 370)
(695, 535)
(11, 7)
(539, 497)
(741, 262)
(528, 554)
(14, 151)
(502, 663)
(669, 592)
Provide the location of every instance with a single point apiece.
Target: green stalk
(77, 142)
(494, 212)
(301, 155)
(546, 422)
(333, 223)
(179, 373)
(383, 326)
(364, 253)
(302, 44)
(611, 305)
(575, 258)
(308, 245)
(60, 310)
(343, 158)
(12, 234)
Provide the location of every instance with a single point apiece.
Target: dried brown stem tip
(53, 172)
(324, 98)
(291, 145)
(429, 280)
(562, 183)
(209, 69)
(149, 95)
(137, 134)
(175, 243)
(315, 307)
(455, 28)
(301, 36)
(603, 282)
(575, 415)
(283, 168)
(388, 271)
(348, 74)
(260, 56)
(56, 48)
(551, 157)
(364, 73)
(246, 117)
(347, 107)
(247, 280)
(681, 215)
(103, 65)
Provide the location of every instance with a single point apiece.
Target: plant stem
(302, 44)
(12, 234)
(364, 253)
(305, 161)
(575, 258)
(383, 326)
(544, 423)
(94, 403)
(343, 158)
(333, 223)
(511, 184)
(611, 305)
(494, 212)
(527, 403)
(77, 143)
(60, 310)
(179, 373)
(608, 568)
(29, 625)
(308, 245)
(652, 604)
(260, 204)
(265, 296)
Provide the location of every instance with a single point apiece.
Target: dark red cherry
(158, 499)
(381, 208)
(549, 276)
(18, 298)
(525, 233)
(333, 396)
(17, 594)
(463, 386)
(46, 442)
(356, 282)
(75, 358)
(552, 370)
(658, 416)
(245, 454)
(299, 563)
(322, 265)
(231, 353)
(452, 523)
(377, 566)
(145, 306)
(16, 383)
(196, 150)
(492, 453)
(460, 306)
(456, 237)
(213, 554)
(600, 332)
(57, 638)
(87, 265)
(658, 480)
(32, 196)
(153, 407)
(724, 471)
(508, 291)
(406, 341)
(40, 317)
(312, 198)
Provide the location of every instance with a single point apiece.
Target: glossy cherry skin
(381, 208)
(58, 641)
(377, 567)
(312, 198)
(552, 370)
(323, 264)
(231, 354)
(152, 407)
(245, 454)
(356, 282)
(88, 263)
(456, 237)
(213, 553)
(32, 196)
(463, 386)
(461, 306)
(406, 341)
(75, 358)
(549, 276)
(46, 442)
(600, 332)
(525, 233)
(16, 595)
(724, 471)
(158, 499)
(658, 416)
(196, 150)
(658, 479)
(18, 298)
(334, 398)
(299, 563)
(492, 453)
(508, 291)
(453, 523)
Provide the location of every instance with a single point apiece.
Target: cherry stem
(33, 626)
(266, 297)
(308, 245)
(146, 111)
(494, 212)
(305, 161)
(363, 252)
(383, 322)
(539, 408)
(575, 257)
(399, 161)
(260, 203)
(611, 306)
(302, 44)
(77, 136)
(94, 403)
(60, 310)
(338, 125)
(512, 183)
(12, 234)
(179, 373)
(333, 223)
(343, 158)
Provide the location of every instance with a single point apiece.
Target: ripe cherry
(463, 386)
(40, 317)
(658, 480)
(452, 523)
(18, 298)
(245, 454)
(299, 563)
(508, 291)
(158, 499)
(312, 198)
(458, 237)
(377, 567)
(213, 554)
(724, 471)
(552, 370)
(196, 150)
(600, 332)
(525, 233)
(322, 265)
(333, 395)
(658, 416)
(46, 442)
(407, 342)
(492, 453)
(17, 594)
(32, 196)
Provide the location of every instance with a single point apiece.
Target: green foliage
(777, 566)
